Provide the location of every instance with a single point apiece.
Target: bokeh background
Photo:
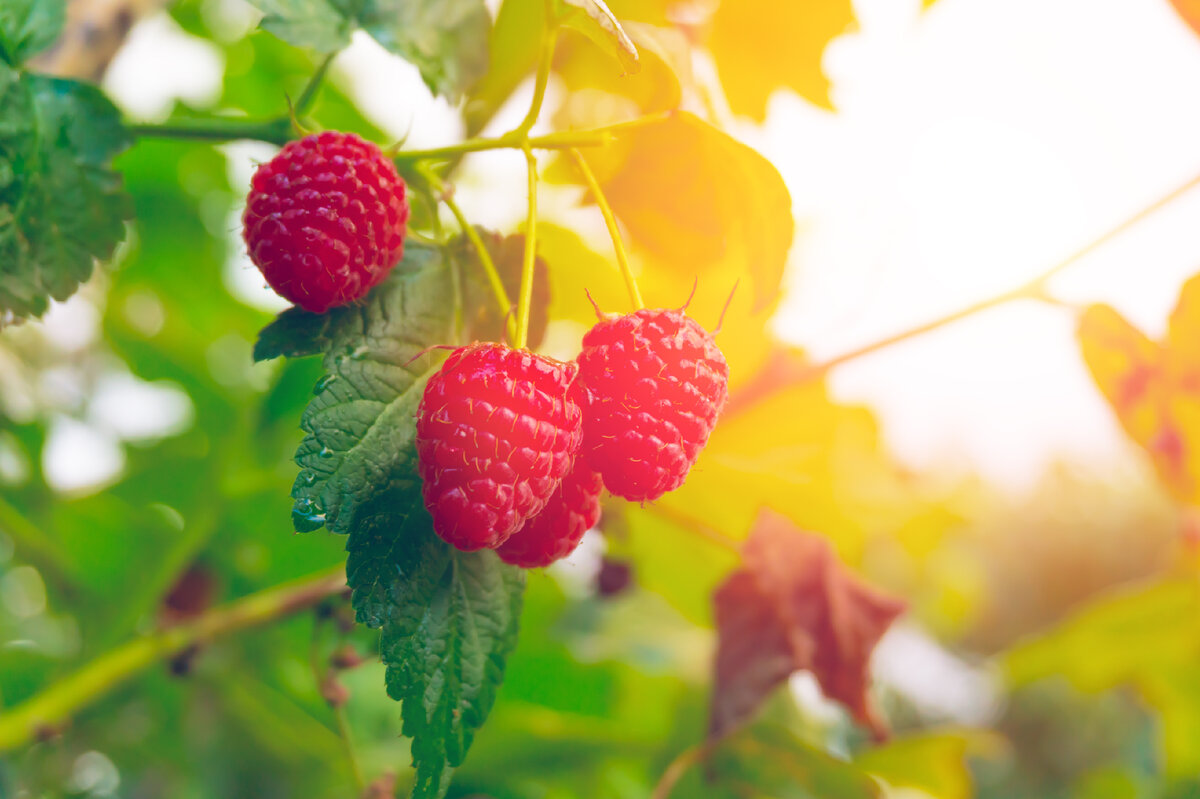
(940, 154)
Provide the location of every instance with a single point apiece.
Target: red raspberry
(555, 532)
(653, 382)
(324, 220)
(496, 434)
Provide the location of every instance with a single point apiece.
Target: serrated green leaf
(29, 26)
(360, 425)
(323, 25)
(593, 19)
(449, 620)
(61, 206)
(446, 39)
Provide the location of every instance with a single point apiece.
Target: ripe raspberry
(496, 434)
(324, 220)
(555, 532)
(653, 382)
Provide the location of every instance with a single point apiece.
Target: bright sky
(975, 145)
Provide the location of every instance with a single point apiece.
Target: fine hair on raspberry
(325, 219)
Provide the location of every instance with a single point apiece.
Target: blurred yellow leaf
(762, 45)
(1190, 11)
(694, 198)
(596, 21)
(657, 86)
(933, 763)
(1153, 387)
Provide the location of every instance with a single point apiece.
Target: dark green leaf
(360, 426)
(61, 207)
(594, 19)
(445, 39)
(28, 26)
(449, 621)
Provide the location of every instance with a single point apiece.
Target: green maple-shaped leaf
(448, 619)
(61, 207)
(446, 39)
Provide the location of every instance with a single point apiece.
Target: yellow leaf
(762, 45)
(695, 199)
(1190, 11)
(1154, 388)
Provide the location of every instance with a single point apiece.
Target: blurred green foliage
(603, 691)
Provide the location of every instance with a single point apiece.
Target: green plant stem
(304, 103)
(47, 711)
(677, 768)
(274, 131)
(526, 300)
(513, 140)
(343, 725)
(33, 545)
(446, 195)
(614, 232)
(542, 79)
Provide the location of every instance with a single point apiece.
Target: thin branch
(549, 40)
(1034, 289)
(47, 711)
(32, 544)
(273, 131)
(446, 195)
(526, 299)
(705, 531)
(677, 768)
(614, 232)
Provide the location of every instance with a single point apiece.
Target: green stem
(47, 711)
(512, 140)
(543, 77)
(614, 232)
(343, 725)
(489, 267)
(275, 131)
(526, 299)
(32, 544)
(312, 87)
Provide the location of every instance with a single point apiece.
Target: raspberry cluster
(515, 449)
(325, 219)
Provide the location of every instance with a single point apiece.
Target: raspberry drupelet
(325, 219)
(654, 382)
(496, 434)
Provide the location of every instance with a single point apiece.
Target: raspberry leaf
(748, 36)
(29, 26)
(61, 206)
(792, 605)
(694, 197)
(593, 19)
(446, 39)
(360, 425)
(449, 620)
